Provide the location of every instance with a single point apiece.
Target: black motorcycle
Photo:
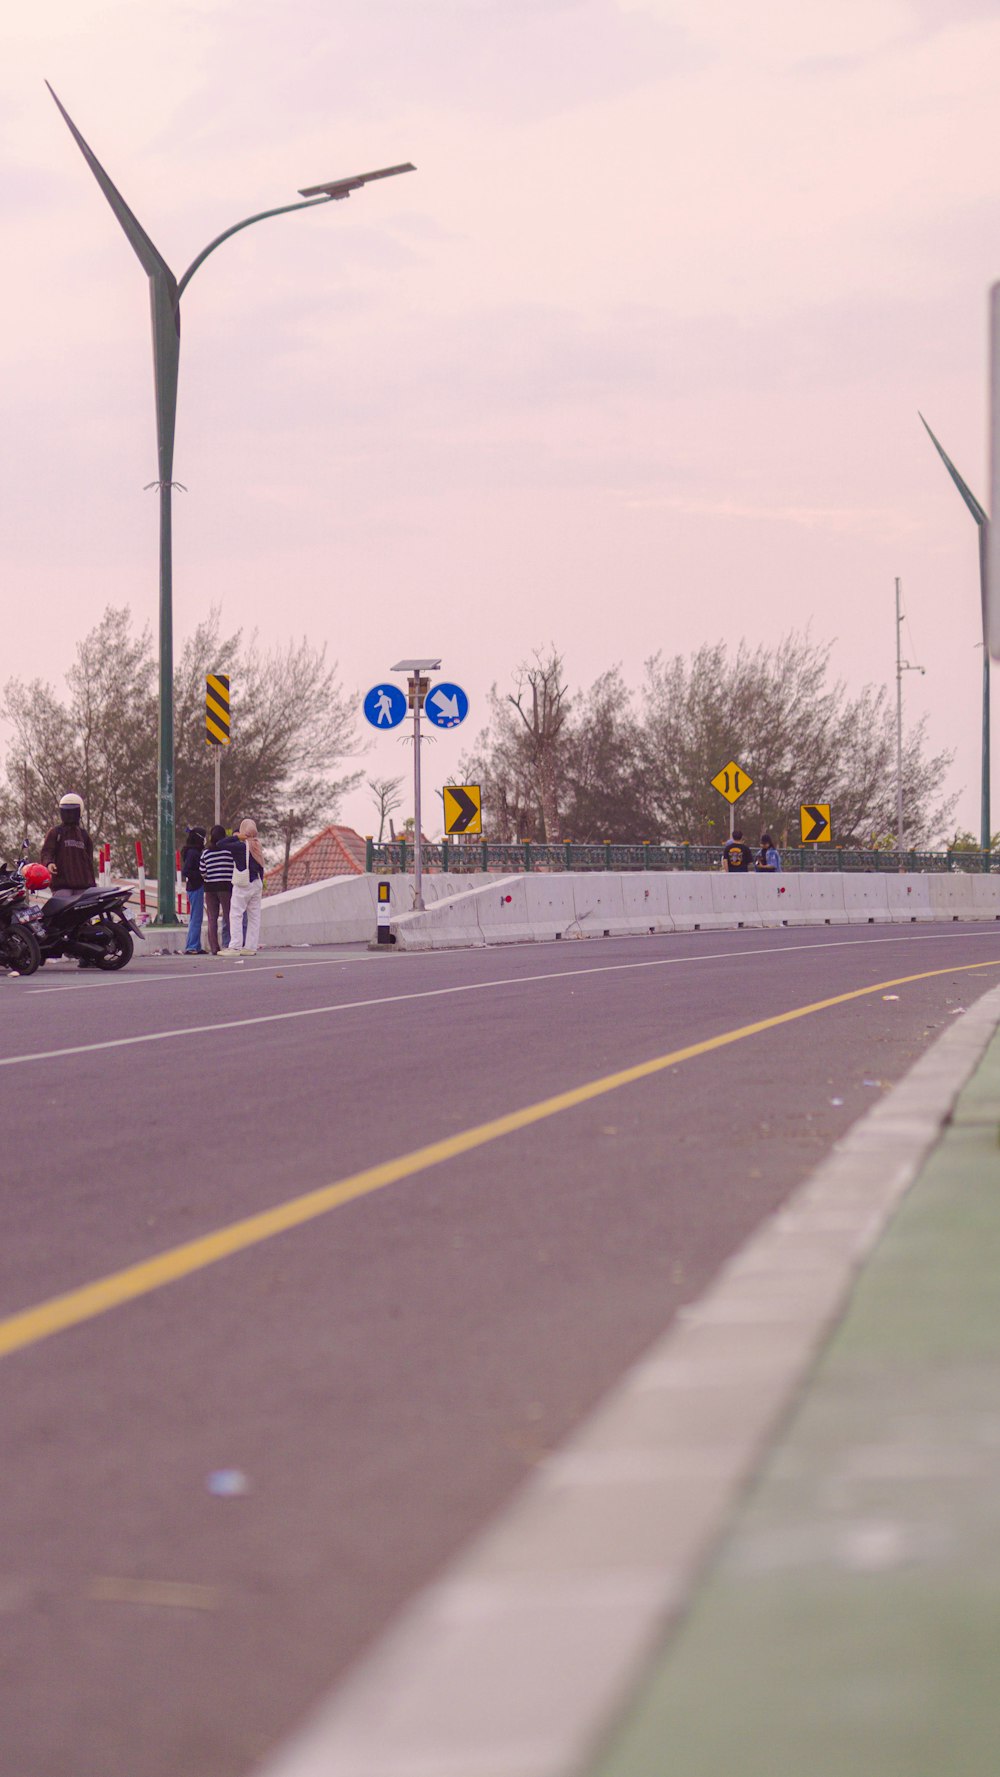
(19, 948)
(88, 924)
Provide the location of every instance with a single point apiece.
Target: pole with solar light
(165, 292)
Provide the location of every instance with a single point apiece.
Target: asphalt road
(379, 1377)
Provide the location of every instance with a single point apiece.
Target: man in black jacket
(68, 849)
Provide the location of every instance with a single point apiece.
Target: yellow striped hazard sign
(217, 710)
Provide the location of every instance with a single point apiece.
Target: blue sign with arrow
(446, 706)
(385, 706)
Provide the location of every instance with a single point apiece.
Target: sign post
(446, 706)
(732, 782)
(417, 687)
(217, 728)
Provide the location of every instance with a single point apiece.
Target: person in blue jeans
(194, 883)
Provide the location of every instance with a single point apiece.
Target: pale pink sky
(632, 362)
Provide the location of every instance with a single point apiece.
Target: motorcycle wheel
(19, 951)
(119, 947)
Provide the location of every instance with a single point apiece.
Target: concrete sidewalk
(850, 1624)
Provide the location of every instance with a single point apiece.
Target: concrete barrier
(645, 908)
(598, 903)
(531, 907)
(958, 896)
(493, 911)
(814, 898)
(908, 897)
(689, 899)
(986, 896)
(733, 900)
(866, 899)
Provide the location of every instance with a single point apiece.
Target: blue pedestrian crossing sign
(385, 706)
(446, 706)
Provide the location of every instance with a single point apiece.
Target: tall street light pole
(982, 520)
(165, 292)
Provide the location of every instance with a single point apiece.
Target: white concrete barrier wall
(908, 898)
(814, 898)
(866, 899)
(645, 907)
(480, 909)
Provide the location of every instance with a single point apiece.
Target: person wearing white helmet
(69, 850)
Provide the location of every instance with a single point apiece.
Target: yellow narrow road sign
(463, 808)
(217, 710)
(732, 781)
(814, 819)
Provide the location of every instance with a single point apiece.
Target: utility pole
(902, 666)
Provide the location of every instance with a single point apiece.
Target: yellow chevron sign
(217, 710)
(463, 808)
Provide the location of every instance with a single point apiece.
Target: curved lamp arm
(262, 216)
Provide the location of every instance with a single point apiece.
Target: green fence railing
(465, 857)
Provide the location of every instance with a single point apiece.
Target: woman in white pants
(248, 863)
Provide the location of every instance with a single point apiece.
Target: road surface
(237, 1436)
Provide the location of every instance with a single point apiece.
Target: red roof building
(337, 851)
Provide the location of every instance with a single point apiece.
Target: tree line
(610, 763)
(553, 763)
(293, 727)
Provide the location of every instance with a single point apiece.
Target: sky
(631, 363)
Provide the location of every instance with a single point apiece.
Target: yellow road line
(76, 1306)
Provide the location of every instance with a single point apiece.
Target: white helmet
(71, 808)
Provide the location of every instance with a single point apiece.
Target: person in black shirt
(194, 844)
(736, 855)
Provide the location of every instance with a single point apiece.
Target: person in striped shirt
(216, 863)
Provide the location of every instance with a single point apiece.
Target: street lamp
(165, 292)
(983, 522)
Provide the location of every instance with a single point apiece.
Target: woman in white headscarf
(248, 888)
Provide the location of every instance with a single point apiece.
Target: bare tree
(519, 760)
(386, 797)
(542, 702)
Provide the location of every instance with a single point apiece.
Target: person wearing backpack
(248, 890)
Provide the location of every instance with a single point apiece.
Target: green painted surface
(850, 1625)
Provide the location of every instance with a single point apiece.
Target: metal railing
(466, 857)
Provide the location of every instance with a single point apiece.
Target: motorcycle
(88, 924)
(19, 948)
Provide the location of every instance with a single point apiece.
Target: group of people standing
(738, 856)
(224, 878)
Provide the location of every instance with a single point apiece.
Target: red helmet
(36, 876)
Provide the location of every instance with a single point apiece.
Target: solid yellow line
(32, 1325)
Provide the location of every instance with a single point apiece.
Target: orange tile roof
(336, 851)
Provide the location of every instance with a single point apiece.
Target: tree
(604, 788)
(800, 739)
(102, 743)
(520, 762)
(386, 797)
(292, 727)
